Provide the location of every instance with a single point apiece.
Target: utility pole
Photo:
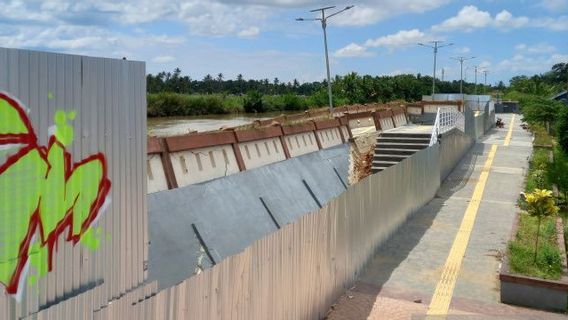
(435, 45)
(443, 73)
(485, 72)
(461, 60)
(323, 21)
(475, 80)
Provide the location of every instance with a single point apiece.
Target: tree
(562, 128)
(253, 102)
(540, 204)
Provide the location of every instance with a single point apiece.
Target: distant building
(562, 96)
(507, 107)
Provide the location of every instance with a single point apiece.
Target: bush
(166, 104)
(293, 102)
(538, 110)
(562, 128)
(253, 102)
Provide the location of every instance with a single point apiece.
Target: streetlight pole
(435, 45)
(461, 60)
(485, 72)
(475, 80)
(323, 21)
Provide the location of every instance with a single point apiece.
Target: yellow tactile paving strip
(442, 297)
(510, 133)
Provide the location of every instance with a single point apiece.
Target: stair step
(402, 140)
(396, 158)
(384, 163)
(413, 146)
(405, 135)
(406, 152)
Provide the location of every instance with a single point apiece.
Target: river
(165, 127)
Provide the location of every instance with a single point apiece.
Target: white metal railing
(447, 118)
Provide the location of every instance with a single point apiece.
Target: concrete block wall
(185, 160)
(302, 143)
(262, 152)
(202, 164)
(399, 118)
(155, 174)
(386, 121)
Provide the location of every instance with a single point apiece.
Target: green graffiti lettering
(43, 196)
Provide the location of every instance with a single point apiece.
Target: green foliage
(521, 251)
(541, 203)
(166, 104)
(253, 102)
(562, 128)
(539, 110)
(293, 102)
(537, 178)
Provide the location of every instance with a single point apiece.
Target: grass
(537, 176)
(521, 250)
(541, 136)
(542, 174)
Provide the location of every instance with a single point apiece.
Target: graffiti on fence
(44, 196)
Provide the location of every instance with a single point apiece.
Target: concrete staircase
(392, 148)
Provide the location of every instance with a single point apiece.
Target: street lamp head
(299, 19)
(349, 7)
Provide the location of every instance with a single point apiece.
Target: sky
(261, 38)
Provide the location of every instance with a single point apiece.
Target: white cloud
(367, 12)
(463, 50)
(519, 63)
(539, 48)
(402, 38)
(163, 59)
(251, 32)
(467, 19)
(470, 18)
(554, 24)
(352, 50)
(554, 5)
(505, 20)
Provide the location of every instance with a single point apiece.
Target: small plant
(540, 204)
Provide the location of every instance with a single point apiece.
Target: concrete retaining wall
(184, 160)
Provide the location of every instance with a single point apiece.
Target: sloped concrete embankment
(298, 271)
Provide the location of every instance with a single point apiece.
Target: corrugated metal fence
(109, 98)
(293, 273)
(298, 271)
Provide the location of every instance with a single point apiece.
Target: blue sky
(261, 39)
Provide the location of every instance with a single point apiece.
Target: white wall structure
(198, 165)
(261, 152)
(400, 119)
(329, 137)
(386, 123)
(301, 143)
(155, 174)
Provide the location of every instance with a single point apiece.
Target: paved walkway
(403, 280)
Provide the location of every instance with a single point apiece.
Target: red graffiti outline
(35, 221)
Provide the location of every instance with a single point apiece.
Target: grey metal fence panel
(298, 271)
(110, 103)
(453, 146)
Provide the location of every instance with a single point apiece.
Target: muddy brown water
(166, 127)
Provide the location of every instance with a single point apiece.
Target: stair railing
(447, 118)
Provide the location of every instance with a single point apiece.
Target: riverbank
(172, 126)
(167, 104)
